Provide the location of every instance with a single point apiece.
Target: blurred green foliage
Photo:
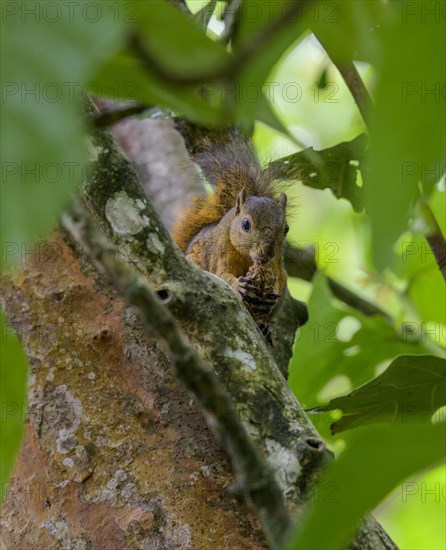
(45, 67)
(415, 513)
(381, 456)
(278, 79)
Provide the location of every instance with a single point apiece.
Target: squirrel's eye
(287, 228)
(246, 226)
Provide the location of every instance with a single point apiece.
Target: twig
(254, 476)
(353, 300)
(203, 16)
(112, 117)
(357, 88)
(230, 19)
(432, 233)
(354, 83)
(300, 263)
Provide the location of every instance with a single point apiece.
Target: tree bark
(116, 455)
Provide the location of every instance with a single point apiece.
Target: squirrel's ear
(240, 201)
(283, 200)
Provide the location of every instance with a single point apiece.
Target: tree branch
(356, 302)
(301, 263)
(152, 145)
(255, 478)
(432, 233)
(110, 117)
(230, 18)
(357, 88)
(354, 83)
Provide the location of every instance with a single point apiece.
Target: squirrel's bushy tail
(229, 166)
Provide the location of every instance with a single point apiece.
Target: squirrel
(238, 232)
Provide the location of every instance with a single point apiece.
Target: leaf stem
(354, 83)
(432, 233)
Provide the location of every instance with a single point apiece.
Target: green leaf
(176, 42)
(428, 294)
(12, 400)
(331, 168)
(350, 29)
(416, 264)
(411, 388)
(409, 103)
(255, 18)
(45, 65)
(375, 461)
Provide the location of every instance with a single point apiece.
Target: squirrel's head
(259, 226)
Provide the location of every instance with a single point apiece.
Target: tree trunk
(115, 454)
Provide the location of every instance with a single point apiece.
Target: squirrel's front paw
(246, 288)
(252, 296)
